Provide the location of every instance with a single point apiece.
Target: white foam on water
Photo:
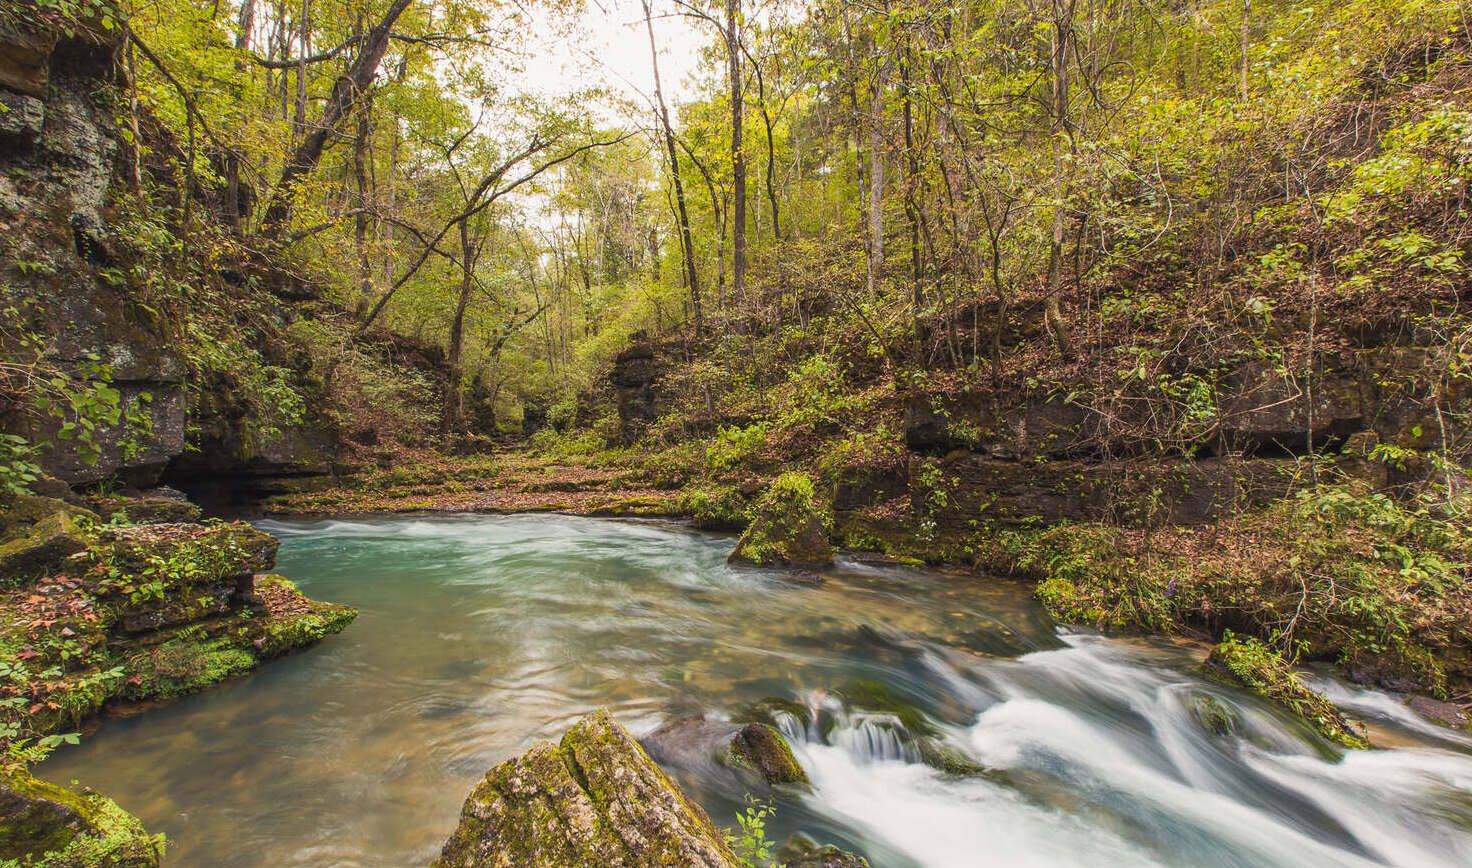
(951, 823)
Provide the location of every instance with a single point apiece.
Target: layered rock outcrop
(94, 613)
(637, 388)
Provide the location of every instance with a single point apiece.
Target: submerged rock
(43, 824)
(695, 743)
(595, 798)
(800, 851)
(1439, 712)
(787, 527)
(1253, 665)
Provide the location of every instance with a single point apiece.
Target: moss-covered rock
(167, 507)
(43, 824)
(593, 799)
(945, 758)
(184, 665)
(142, 563)
(715, 508)
(36, 535)
(1262, 670)
(800, 851)
(286, 619)
(762, 748)
(787, 527)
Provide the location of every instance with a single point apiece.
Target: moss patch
(760, 747)
(787, 527)
(1265, 672)
(595, 798)
(43, 824)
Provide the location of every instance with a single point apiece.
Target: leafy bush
(732, 446)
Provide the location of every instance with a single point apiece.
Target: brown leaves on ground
(500, 483)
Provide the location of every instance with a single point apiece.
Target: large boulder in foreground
(36, 535)
(788, 528)
(595, 798)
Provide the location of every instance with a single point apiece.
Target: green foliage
(788, 525)
(1336, 573)
(715, 507)
(70, 17)
(18, 467)
(1265, 672)
(733, 446)
(751, 845)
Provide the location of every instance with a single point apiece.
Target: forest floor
(499, 482)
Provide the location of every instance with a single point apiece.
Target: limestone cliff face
(58, 158)
(65, 273)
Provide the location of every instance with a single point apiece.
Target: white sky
(606, 44)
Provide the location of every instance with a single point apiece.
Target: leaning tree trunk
(345, 94)
(1052, 307)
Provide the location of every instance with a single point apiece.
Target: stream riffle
(480, 635)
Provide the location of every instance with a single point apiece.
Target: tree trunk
(345, 94)
(454, 401)
(692, 278)
(738, 158)
(233, 202)
(917, 291)
(1052, 307)
(360, 227)
(1246, 19)
(303, 48)
(876, 172)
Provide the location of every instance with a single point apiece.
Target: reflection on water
(480, 635)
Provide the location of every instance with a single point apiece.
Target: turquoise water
(482, 634)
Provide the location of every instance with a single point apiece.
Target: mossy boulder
(1443, 713)
(595, 798)
(1260, 669)
(949, 759)
(158, 506)
(788, 528)
(36, 535)
(279, 620)
(43, 824)
(760, 747)
(800, 851)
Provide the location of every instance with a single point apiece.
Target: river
(481, 634)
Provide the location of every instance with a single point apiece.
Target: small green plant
(18, 468)
(751, 845)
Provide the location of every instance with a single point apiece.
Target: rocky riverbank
(97, 613)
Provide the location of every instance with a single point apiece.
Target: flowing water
(480, 635)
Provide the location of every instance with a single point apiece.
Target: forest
(1051, 373)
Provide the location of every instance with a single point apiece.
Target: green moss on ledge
(1262, 670)
(43, 824)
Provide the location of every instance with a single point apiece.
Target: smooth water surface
(480, 635)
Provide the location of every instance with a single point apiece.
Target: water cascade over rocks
(940, 720)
